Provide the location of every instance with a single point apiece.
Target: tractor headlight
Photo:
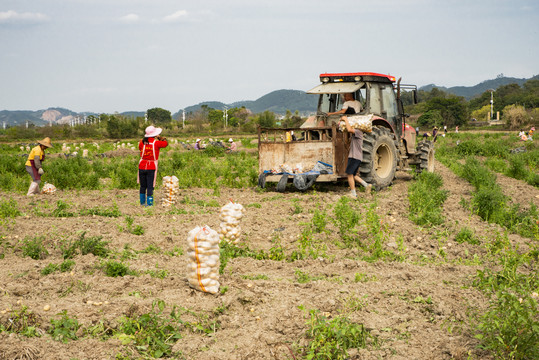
(357, 78)
(325, 79)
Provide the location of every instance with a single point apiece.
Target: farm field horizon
(413, 271)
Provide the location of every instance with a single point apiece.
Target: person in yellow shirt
(33, 164)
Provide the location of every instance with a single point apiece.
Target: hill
(469, 92)
(277, 101)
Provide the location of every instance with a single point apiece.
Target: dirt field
(416, 308)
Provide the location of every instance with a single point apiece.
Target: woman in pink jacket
(147, 166)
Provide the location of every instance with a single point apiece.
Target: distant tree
(119, 127)
(430, 119)
(515, 116)
(266, 119)
(454, 109)
(159, 116)
(481, 114)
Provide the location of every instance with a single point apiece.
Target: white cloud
(130, 18)
(177, 16)
(11, 16)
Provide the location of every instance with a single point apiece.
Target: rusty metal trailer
(325, 144)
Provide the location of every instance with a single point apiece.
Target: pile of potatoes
(203, 253)
(172, 190)
(230, 217)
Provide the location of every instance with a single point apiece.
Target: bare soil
(260, 319)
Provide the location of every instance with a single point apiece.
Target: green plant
(62, 210)
(114, 269)
(152, 333)
(426, 199)
(319, 221)
(297, 208)
(135, 230)
(34, 248)
(345, 218)
(85, 245)
(22, 321)
(64, 329)
(510, 327)
(466, 235)
(64, 266)
(102, 211)
(331, 338)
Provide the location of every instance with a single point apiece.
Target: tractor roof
(355, 77)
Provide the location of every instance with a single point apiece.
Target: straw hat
(45, 142)
(152, 131)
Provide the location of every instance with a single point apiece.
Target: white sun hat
(230, 140)
(152, 131)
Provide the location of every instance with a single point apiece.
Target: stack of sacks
(230, 217)
(203, 252)
(48, 189)
(172, 190)
(361, 122)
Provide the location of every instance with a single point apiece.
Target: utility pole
(225, 116)
(183, 119)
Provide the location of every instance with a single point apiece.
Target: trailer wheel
(281, 185)
(379, 158)
(303, 182)
(425, 149)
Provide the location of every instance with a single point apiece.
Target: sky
(132, 55)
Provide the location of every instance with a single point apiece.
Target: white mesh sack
(48, 189)
(172, 190)
(230, 217)
(361, 122)
(203, 266)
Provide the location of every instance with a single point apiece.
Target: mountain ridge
(277, 101)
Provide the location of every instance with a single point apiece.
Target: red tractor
(391, 145)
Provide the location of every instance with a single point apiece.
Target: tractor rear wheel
(425, 149)
(379, 158)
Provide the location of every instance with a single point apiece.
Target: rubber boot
(142, 199)
(150, 200)
(33, 189)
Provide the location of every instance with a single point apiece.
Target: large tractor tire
(425, 149)
(379, 158)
